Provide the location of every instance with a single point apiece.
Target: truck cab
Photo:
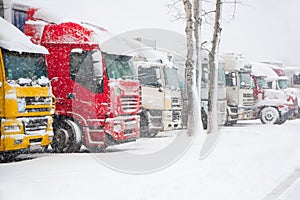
(272, 105)
(277, 80)
(224, 118)
(239, 93)
(161, 97)
(25, 94)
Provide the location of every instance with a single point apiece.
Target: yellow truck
(26, 101)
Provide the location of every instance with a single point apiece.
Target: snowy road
(251, 161)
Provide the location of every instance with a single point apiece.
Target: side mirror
(71, 96)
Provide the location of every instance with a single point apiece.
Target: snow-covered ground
(250, 161)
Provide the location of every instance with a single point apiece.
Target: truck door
(87, 71)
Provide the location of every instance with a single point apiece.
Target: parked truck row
(62, 88)
(247, 88)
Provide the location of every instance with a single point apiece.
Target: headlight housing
(21, 105)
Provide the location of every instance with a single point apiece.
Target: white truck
(272, 106)
(247, 88)
(226, 115)
(239, 93)
(277, 80)
(161, 98)
(293, 74)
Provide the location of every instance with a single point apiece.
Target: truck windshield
(296, 79)
(171, 78)
(119, 67)
(245, 80)
(149, 76)
(262, 83)
(204, 75)
(230, 79)
(283, 84)
(24, 65)
(221, 74)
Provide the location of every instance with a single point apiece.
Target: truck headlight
(14, 128)
(21, 105)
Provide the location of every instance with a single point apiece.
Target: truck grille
(176, 109)
(221, 107)
(130, 103)
(28, 110)
(38, 104)
(38, 100)
(35, 126)
(247, 95)
(176, 115)
(176, 103)
(248, 99)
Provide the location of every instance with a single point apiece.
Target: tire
(144, 124)
(44, 149)
(8, 156)
(67, 137)
(145, 131)
(269, 115)
(204, 118)
(281, 120)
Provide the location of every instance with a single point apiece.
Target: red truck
(97, 93)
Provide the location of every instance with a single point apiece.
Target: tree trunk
(197, 36)
(189, 64)
(213, 74)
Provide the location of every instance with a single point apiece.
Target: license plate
(35, 146)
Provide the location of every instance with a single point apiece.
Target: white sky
(261, 30)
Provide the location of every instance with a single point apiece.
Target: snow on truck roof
(262, 69)
(234, 61)
(13, 39)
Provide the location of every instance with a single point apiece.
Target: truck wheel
(8, 156)
(204, 118)
(67, 137)
(229, 123)
(144, 124)
(281, 120)
(145, 130)
(269, 115)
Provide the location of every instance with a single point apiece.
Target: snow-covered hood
(12, 39)
(275, 94)
(293, 91)
(272, 102)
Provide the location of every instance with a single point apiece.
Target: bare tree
(190, 75)
(213, 72)
(197, 36)
(193, 14)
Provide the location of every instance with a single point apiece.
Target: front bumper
(15, 135)
(123, 128)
